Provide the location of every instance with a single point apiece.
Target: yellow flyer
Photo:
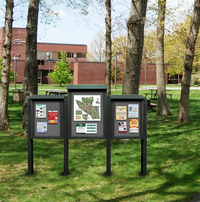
(121, 112)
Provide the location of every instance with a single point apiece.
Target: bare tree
(108, 46)
(163, 108)
(135, 25)
(96, 51)
(4, 118)
(31, 66)
(188, 62)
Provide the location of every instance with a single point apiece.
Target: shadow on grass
(172, 163)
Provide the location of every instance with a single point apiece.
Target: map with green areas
(87, 107)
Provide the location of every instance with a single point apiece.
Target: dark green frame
(143, 114)
(89, 89)
(63, 112)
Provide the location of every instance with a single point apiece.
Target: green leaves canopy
(62, 71)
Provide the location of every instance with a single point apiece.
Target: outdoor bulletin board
(129, 114)
(47, 116)
(87, 113)
(87, 107)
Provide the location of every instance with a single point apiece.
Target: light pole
(15, 58)
(49, 54)
(116, 53)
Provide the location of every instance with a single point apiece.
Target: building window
(44, 55)
(77, 55)
(41, 55)
(81, 55)
(70, 55)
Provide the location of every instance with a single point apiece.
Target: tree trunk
(108, 46)
(163, 108)
(4, 117)
(135, 42)
(31, 66)
(188, 62)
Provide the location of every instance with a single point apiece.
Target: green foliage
(12, 73)
(195, 78)
(175, 47)
(62, 71)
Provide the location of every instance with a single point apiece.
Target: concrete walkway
(168, 88)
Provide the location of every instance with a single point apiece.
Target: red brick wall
(150, 74)
(20, 66)
(83, 72)
(62, 47)
(91, 73)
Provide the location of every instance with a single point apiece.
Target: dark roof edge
(62, 44)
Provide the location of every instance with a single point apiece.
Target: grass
(173, 163)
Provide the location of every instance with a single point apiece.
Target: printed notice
(121, 112)
(122, 127)
(87, 107)
(86, 128)
(134, 126)
(133, 110)
(80, 128)
(53, 117)
(40, 110)
(41, 127)
(91, 128)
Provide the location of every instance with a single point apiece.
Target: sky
(73, 28)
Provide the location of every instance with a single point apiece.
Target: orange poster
(134, 125)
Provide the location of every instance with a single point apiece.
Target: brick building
(84, 72)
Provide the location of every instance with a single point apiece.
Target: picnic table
(150, 105)
(154, 94)
(54, 92)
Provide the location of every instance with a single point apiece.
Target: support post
(108, 152)
(30, 142)
(143, 156)
(66, 172)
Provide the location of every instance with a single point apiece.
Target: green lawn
(173, 163)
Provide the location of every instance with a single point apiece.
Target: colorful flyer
(122, 127)
(40, 110)
(133, 110)
(53, 117)
(41, 127)
(134, 126)
(121, 112)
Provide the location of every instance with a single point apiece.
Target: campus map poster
(87, 107)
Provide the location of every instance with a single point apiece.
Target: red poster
(53, 117)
